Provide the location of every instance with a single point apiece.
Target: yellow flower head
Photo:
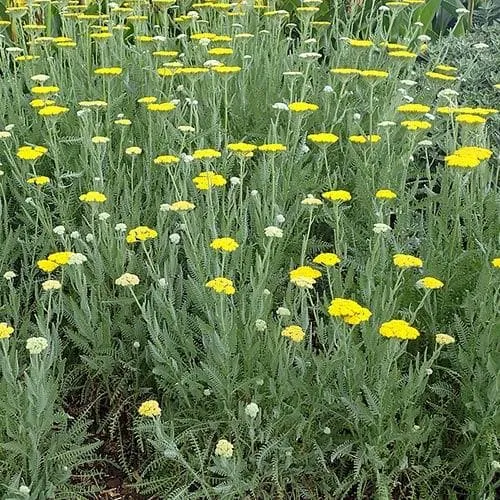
(206, 154)
(31, 152)
(141, 233)
(166, 160)
(413, 107)
(111, 71)
(323, 138)
(182, 206)
(337, 195)
(52, 111)
(304, 276)
(362, 139)
(430, 283)
(414, 125)
(466, 119)
(241, 147)
(444, 339)
(406, 261)
(133, 150)
(60, 258)
(225, 244)
(360, 43)
(272, 148)
(226, 70)
(327, 259)
(46, 265)
(39, 180)
(40, 103)
(349, 311)
(385, 194)
(47, 90)
(93, 197)
(433, 75)
(220, 51)
(373, 73)
(221, 285)
(150, 408)
(5, 331)
(398, 328)
(294, 332)
(402, 54)
(206, 180)
(496, 262)
(302, 107)
(161, 106)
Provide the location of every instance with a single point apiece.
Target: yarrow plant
(252, 247)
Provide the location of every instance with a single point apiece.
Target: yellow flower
(166, 160)
(60, 258)
(49, 89)
(225, 244)
(323, 138)
(414, 125)
(468, 157)
(221, 285)
(413, 108)
(39, 180)
(147, 100)
(466, 119)
(182, 206)
(241, 147)
(304, 276)
(40, 103)
(226, 70)
(272, 148)
(93, 197)
(99, 139)
(402, 54)
(123, 121)
(294, 333)
(165, 53)
(496, 262)
(349, 311)
(374, 73)
(361, 139)
(141, 233)
(31, 152)
(398, 328)
(52, 111)
(337, 195)
(385, 194)
(406, 261)
(444, 339)
(438, 76)
(93, 104)
(133, 150)
(161, 106)
(327, 259)
(302, 107)
(46, 265)
(112, 71)
(345, 71)
(446, 69)
(206, 180)
(430, 283)
(5, 331)
(220, 51)
(360, 43)
(224, 448)
(206, 154)
(150, 408)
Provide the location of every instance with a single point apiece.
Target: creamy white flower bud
(251, 410)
